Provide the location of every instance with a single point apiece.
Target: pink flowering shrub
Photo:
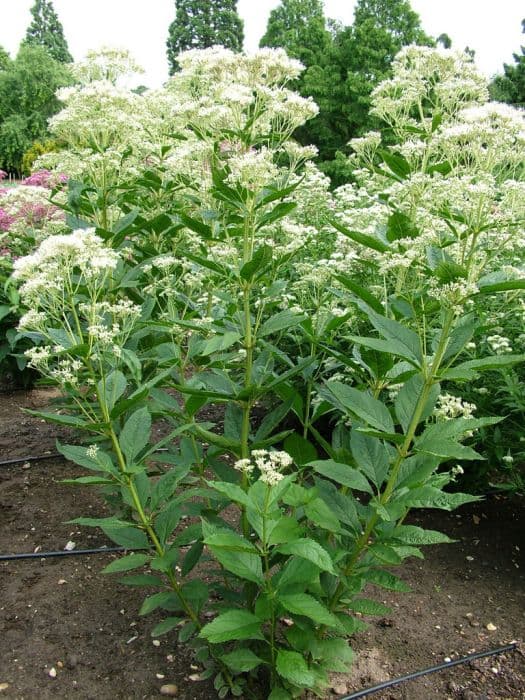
(3, 174)
(45, 178)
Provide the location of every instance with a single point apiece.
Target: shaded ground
(61, 614)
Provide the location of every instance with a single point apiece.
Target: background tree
(5, 59)
(300, 27)
(510, 87)
(47, 31)
(27, 101)
(199, 24)
(344, 64)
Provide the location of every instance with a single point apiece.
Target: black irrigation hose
(432, 669)
(39, 458)
(19, 460)
(63, 553)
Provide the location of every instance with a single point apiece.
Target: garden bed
(61, 614)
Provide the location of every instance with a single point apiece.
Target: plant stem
(430, 379)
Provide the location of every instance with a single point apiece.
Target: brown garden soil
(61, 614)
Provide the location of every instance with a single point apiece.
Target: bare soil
(60, 613)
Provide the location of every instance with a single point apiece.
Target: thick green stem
(430, 379)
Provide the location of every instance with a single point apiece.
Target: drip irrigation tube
(51, 455)
(63, 553)
(432, 669)
(19, 460)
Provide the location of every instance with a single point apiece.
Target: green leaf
(142, 580)
(79, 455)
(308, 606)
(399, 335)
(361, 238)
(400, 225)
(414, 535)
(334, 654)
(368, 607)
(195, 225)
(408, 397)
(506, 286)
(342, 474)
(448, 449)
(112, 388)
(165, 626)
(278, 212)
(280, 321)
(360, 292)
(72, 421)
(320, 514)
(396, 163)
(310, 550)
(431, 497)
(219, 343)
(492, 362)
(231, 542)
(232, 491)
(300, 449)
(230, 625)
(167, 520)
(135, 434)
(297, 572)
(242, 564)
(384, 579)
(371, 456)
(159, 600)
(260, 259)
(127, 536)
(279, 694)
(285, 529)
(241, 660)
(132, 561)
(273, 419)
(292, 667)
(361, 404)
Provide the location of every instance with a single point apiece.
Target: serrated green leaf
(370, 455)
(301, 450)
(241, 660)
(131, 561)
(135, 434)
(219, 343)
(408, 397)
(307, 606)
(231, 625)
(384, 579)
(280, 321)
(368, 607)
(342, 474)
(292, 667)
(414, 535)
(310, 550)
(158, 600)
(165, 626)
(127, 536)
(370, 410)
(112, 388)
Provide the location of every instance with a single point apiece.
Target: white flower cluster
(499, 344)
(269, 463)
(46, 270)
(449, 407)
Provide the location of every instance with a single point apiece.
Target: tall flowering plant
(286, 519)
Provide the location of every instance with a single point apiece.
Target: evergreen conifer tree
(199, 24)
(510, 87)
(47, 31)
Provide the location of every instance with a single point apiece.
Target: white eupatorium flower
(270, 465)
(45, 271)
